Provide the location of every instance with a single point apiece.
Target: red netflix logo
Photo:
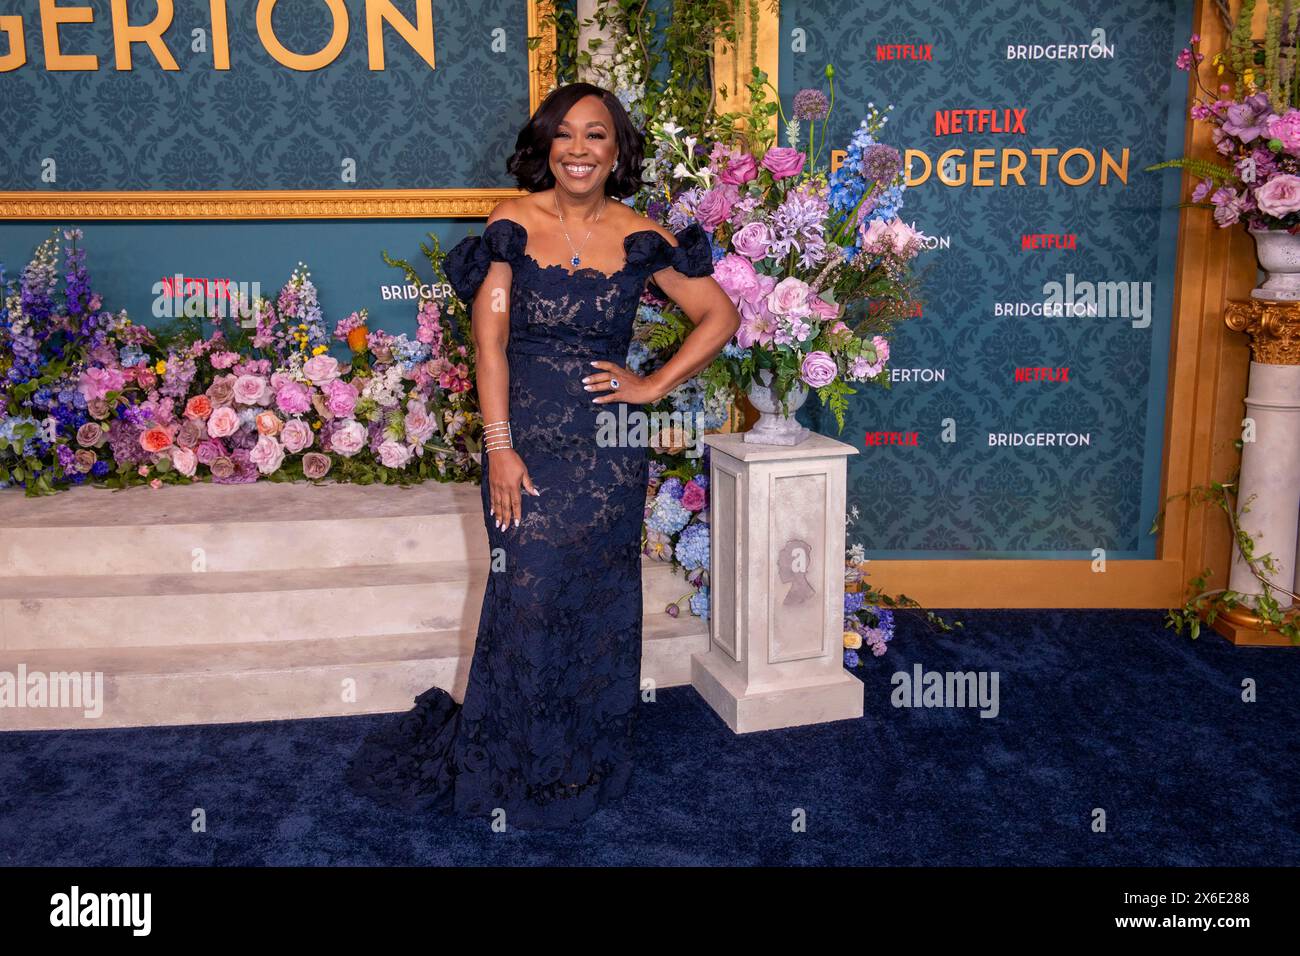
(1009, 120)
(876, 439)
(1043, 374)
(904, 51)
(1042, 241)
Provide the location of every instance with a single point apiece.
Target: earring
(614, 167)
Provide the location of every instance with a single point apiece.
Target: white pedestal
(1270, 473)
(776, 575)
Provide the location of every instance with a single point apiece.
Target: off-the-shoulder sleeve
(467, 263)
(692, 256)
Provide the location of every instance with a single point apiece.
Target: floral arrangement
(817, 262)
(1255, 129)
(677, 529)
(89, 396)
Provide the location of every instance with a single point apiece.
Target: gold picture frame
(295, 203)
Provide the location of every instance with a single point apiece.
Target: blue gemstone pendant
(575, 260)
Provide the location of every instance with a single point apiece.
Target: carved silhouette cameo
(792, 565)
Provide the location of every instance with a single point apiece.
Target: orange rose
(156, 439)
(357, 338)
(200, 406)
(268, 423)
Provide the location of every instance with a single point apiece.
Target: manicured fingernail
(516, 522)
(593, 363)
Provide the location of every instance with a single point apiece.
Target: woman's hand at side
(508, 474)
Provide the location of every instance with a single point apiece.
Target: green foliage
(836, 395)
(1198, 167)
(1205, 605)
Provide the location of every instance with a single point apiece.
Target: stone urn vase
(1279, 256)
(775, 426)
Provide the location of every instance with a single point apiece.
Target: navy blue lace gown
(545, 731)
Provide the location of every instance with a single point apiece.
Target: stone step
(234, 607)
(262, 526)
(281, 680)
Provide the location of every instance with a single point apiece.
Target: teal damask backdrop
(964, 498)
(262, 125)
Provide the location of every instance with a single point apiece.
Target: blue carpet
(1098, 709)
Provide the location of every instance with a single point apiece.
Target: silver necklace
(576, 259)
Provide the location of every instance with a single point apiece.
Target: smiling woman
(544, 736)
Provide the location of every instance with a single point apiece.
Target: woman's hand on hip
(507, 476)
(619, 385)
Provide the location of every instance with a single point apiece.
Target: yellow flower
(852, 640)
(161, 367)
(319, 349)
(316, 425)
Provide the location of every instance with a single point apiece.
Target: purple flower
(881, 163)
(810, 104)
(1248, 119)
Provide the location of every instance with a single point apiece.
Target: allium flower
(810, 104)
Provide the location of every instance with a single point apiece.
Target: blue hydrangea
(850, 658)
(732, 350)
(700, 603)
(693, 546)
(667, 516)
(852, 601)
(672, 487)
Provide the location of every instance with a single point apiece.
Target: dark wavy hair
(530, 162)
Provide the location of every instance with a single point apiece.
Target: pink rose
(789, 298)
(321, 368)
(419, 425)
(223, 421)
(818, 369)
(222, 390)
(693, 496)
(348, 437)
(185, 461)
(827, 310)
(783, 162)
(190, 433)
(315, 465)
(340, 397)
(267, 454)
(91, 435)
(715, 206)
(209, 450)
(252, 390)
(1280, 196)
(296, 435)
(394, 454)
(740, 170)
(199, 406)
(753, 241)
(222, 467)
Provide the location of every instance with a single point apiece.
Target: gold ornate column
(1270, 461)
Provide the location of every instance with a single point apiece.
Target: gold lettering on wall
(220, 35)
(52, 17)
(148, 33)
(420, 37)
(17, 54)
(305, 62)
